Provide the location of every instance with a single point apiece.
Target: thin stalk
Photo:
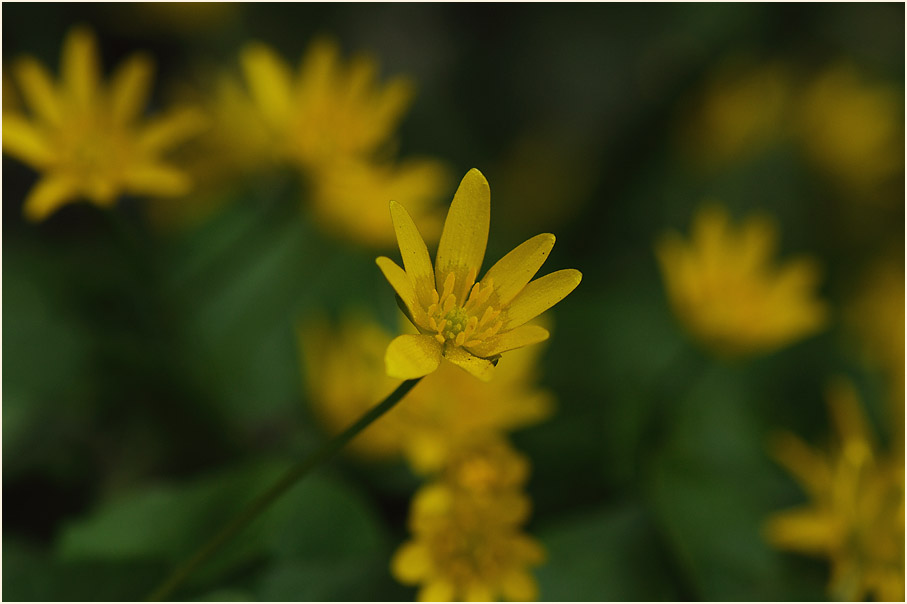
(254, 509)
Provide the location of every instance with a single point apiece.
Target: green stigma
(456, 322)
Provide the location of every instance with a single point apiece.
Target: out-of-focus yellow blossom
(853, 130)
(878, 315)
(855, 516)
(89, 140)
(328, 110)
(726, 292)
(469, 323)
(334, 123)
(349, 197)
(467, 544)
(343, 369)
(742, 109)
(345, 376)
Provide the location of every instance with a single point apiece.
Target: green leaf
(608, 554)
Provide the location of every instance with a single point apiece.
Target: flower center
(464, 324)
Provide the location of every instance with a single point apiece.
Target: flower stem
(254, 509)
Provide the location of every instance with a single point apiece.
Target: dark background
(150, 389)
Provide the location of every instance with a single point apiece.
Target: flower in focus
(468, 323)
(853, 130)
(467, 544)
(89, 140)
(855, 516)
(727, 294)
(345, 375)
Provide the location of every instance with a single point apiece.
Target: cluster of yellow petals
(344, 375)
(467, 541)
(468, 323)
(467, 544)
(847, 125)
(334, 122)
(852, 129)
(726, 292)
(855, 515)
(89, 140)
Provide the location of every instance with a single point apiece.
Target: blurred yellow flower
(327, 110)
(878, 315)
(88, 140)
(344, 376)
(853, 130)
(726, 292)
(350, 197)
(742, 109)
(855, 516)
(467, 544)
(468, 323)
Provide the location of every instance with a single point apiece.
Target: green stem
(247, 515)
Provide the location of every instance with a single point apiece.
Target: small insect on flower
(468, 323)
(88, 139)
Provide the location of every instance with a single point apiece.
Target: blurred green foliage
(152, 382)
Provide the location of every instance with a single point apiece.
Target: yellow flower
(468, 323)
(742, 109)
(855, 516)
(328, 110)
(88, 139)
(853, 130)
(727, 294)
(878, 315)
(468, 548)
(349, 197)
(344, 376)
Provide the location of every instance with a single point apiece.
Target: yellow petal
(80, 66)
(398, 279)
(519, 586)
(438, 590)
(415, 255)
(171, 129)
(511, 273)
(412, 356)
(481, 368)
(465, 235)
(319, 66)
(270, 82)
(156, 179)
(848, 417)
(809, 468)
(47, 196)
(540, 295)
(25, 142)
(411, 563)
(804, 530)
(129, 88)
(478, 592)
(524, 335)
(38, 89)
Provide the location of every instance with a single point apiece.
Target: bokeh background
(153, 376)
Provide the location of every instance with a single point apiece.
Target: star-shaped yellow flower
(468, 323)
(88, 139)
(728, 291)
